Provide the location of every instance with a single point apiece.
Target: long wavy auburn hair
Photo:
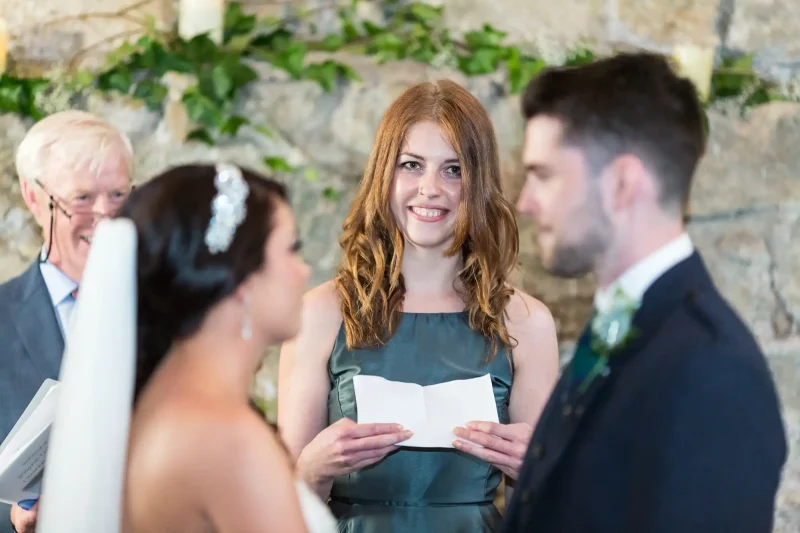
(369, 283)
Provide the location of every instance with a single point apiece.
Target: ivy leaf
(347, 72)
(372, 29)
(744, 64)
(323, 73)
(760, 96)
(232, 125)
(275, 41)
(387, 47)
(201, 109)
(151, 58)
(430, 16)
(263, 130)
(579, 58)
(222, 82)
(236, 22)
(329, 193)
(119, 55)
(151, 93)
(35, 87)
(482, 61)
(292, 59)
(201, 49)
(350, 30)
(10, 94)
(118, 79)
(200, 135)
(521, 69)
(176, 63)
(487, 37)
(242, 74)
(278, 164)
(422, 50)
(726, 84)
(81, 80)
(332, 42)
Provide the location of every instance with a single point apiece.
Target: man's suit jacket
(31, 346)
(683, 435)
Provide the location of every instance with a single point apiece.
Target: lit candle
(697, 64)
(3, 45)
(201, 16)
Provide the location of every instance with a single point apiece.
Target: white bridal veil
(85, 467)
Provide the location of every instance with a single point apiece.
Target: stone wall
(746, 201)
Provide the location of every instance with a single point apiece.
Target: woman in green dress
(422, 296)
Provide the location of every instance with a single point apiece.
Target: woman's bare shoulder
(321, 305)
(524, 310)
(196, 452)
(194, 439)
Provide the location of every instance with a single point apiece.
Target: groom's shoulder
(715, 322)
(715, 339)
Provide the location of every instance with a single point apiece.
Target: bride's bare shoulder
(197, 441)
(198, 454)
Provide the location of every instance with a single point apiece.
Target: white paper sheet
(431, 412)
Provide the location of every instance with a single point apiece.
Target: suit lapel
(37, 325)
(567, 411)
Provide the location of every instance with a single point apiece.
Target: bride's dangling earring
(247, 326)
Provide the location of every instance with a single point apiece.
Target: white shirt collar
(635, 281)
(58, 284)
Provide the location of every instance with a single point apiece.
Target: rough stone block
(664, 22)
(46, 32)
(786, 370)
(551, 27)
(772, 24)
(750, 164)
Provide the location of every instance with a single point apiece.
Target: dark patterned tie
(584, 359)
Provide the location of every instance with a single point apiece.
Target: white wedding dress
(86, 456)
(318, 517)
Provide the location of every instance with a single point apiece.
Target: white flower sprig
(611, 331)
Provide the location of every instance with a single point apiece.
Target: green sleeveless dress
(419, 490)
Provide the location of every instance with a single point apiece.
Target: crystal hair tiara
(228, 207)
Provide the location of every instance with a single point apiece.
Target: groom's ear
(628, 181)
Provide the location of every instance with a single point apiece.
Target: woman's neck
(429, 271)
(223, 355)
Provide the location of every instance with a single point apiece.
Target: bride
(218, 278)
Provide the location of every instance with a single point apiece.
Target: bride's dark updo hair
(179, 279)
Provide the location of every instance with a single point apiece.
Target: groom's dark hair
(627, 104)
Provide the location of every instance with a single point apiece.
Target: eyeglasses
(78, 214)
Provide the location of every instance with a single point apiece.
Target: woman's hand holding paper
(504, 445)
(345, 447)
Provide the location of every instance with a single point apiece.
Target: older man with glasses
(74, 169)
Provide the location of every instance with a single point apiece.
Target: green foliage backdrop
(219, 72)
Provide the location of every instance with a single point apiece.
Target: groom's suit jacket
(682, 435)
(31, 346)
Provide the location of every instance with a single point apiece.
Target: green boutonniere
(611, 331)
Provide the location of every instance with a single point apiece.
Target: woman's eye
(454, 170)
(411, 165)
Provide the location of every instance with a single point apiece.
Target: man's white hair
(70, 141)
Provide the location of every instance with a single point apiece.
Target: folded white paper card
(431, 412)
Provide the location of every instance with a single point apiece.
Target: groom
(667, 419)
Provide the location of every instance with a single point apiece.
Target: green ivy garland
(219, 72)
